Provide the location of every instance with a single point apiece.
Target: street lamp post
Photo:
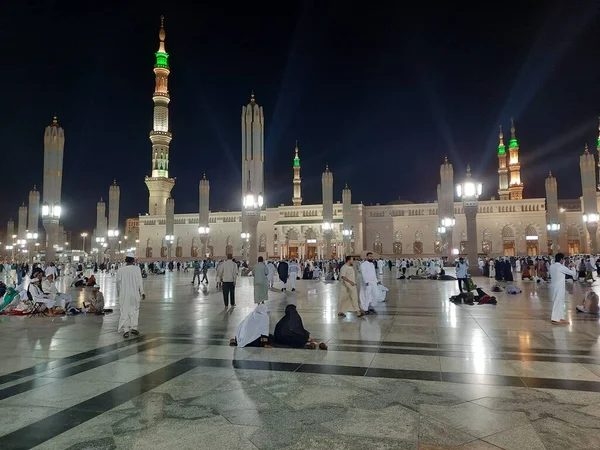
(252, 205)
(469, 191)
(591, 223)
(445, 230)
(246, 238)
(50, 219)
(31, 238)
(101, 244)
(113, 236)
(554, 231)
(83, 236)
(347, 234)
(203, 232)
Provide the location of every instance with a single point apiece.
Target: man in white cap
(130, 290)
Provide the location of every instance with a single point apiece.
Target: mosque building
(510, 225)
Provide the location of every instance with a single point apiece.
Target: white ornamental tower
(552, 211)
(347, 217)
(101, 231)
(34, 210)
(327, 185)
(170, 226)
(446, 205)
(22, 225)
(159, 184)
(587, 165)
(253, 157)
(114, 197)
(297, 200)
(54, 145)
(204, 210)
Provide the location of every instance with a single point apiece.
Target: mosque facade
(507, 226)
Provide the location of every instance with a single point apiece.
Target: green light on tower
(501, 149)
(297, 161)
(162, 59)
(513, 144)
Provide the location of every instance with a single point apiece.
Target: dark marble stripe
(45, 429)
(333, 370)
(553, 383)
(403, 374)
(70, 371)
(473, 378)
(43, 367)
(527, 357)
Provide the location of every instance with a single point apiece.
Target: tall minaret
(297, 200)
(347, 218)
(159, 184)
(587, 166)
(253, 157)
(34, 210)
(170, 225)
(22, 225)
(446, 204)
(101, 228)
(114, 197)
(552, 217)
(503, 191)
(327, 184)
(54, 145)
(10, 232)
(516, 186)
(203, 219)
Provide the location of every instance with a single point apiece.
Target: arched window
(262, 243)
(377, 244)
(418, 243)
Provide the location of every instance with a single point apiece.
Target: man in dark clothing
(282, 271)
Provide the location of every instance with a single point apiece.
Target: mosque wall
(512, 227)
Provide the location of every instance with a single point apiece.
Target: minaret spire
(503, 191)
(297, 200)
(159, 184)
(516, 186)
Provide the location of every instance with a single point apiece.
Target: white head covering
(253, 326)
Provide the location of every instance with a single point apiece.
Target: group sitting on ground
(289, 331)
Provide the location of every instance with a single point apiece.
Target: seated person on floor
(290, 331)
(254, 329)
(37, 295)
(10, 296)
(91, 281)
(317, 273)
(49, 287)
(96, 302)
(526, 273)
(590, 303)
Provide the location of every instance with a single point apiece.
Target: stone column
(587, 166)
(471, 216)
(170, 224)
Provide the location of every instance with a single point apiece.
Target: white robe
(368, 294)
(271, 275)
(62, 300)
(130, 289)
(255, 325)
(557, 289)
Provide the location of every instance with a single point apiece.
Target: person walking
(227, 273)
(261, 281)
(558, 270)
(130, 290)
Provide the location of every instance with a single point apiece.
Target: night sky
(379, 90)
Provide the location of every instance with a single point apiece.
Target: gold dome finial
(468, 170)
(586, 149)
(550, 174)
(252, 99)
(161, 33)
(204, 175)
(512, 128)
(326, 167)
(446, 160)
(501, 136)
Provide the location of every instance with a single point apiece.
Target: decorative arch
(149, 248)
(508, 241)
(194, 248)
(262, 243)
(229, 246)
(397, 244)
(310, 234)
(531, 231)
(377, 244)
(418, 243)
(486, 241)
(508, 232)
(210, 247)
(291, 235)
(574, 241)
(179, 248)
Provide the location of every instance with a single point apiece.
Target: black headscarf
(282, 271)
(290, 330)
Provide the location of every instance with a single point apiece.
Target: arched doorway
(486, 242)
(194, 249)
(229, 246)
(508, 241)
(531, 241)
(573, 240)
(418, 243)
(311, 243)
(262, 243)
(179, 248)
(149, 248)
(397, 245)
(291, 240)
(377, 244)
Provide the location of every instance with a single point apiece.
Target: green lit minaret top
(296, 158)
(501, 147)
(513, 138)
(162, 57)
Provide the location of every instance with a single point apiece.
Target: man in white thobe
(380, 266)
(369, 291)
(130, 290)
(271, 276)
(557, 288)
(293, 269)
(49, 287)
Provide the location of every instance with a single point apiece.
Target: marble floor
(423, 373)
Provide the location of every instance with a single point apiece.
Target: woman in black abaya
(290, 331)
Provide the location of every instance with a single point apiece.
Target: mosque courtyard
(422, 373)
